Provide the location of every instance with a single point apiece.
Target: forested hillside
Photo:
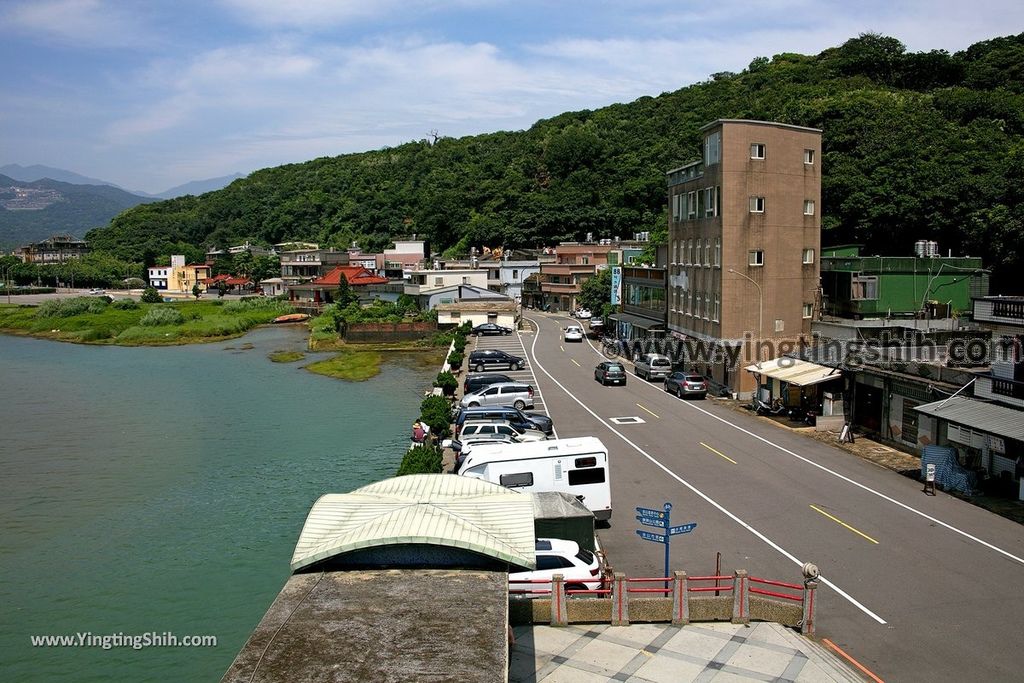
(31, 211)
(916, 145)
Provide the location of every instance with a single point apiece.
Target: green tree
(151, 296)
(596, 292)
(436, 411)
(343, 295)
(424, 459)
(196, 291)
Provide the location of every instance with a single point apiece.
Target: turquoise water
(163, 489)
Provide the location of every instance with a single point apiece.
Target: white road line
(537, 396)
(785, 553)
(847, 479)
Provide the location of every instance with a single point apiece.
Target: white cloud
(80, 23)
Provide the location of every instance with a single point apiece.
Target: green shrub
(421, 460)
(256, 303)
(125, 304)
(66, 308)
(151, 296)
(455, 360)
(162, 316)
(447, 383)
(436, 411)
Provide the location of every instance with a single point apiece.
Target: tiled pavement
(664, 653)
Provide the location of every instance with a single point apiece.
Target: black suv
(516, 418)
(474, 383)
(490, 359)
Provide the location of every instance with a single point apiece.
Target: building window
(707, 253)
(808, 256)
(808, 207)
(757, 150)
(808, 156)
(755, 258)
(438, 281)
(689, 252)
(717, 307)
(757, 205)
(691, 205)
(709, 201)
(515, 274)
(586, 260)
(713, 148)
(864, 287)
(780, 325)
(718, 251)
(465, 279)
(808, 310)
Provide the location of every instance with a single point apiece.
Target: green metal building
(856, 286)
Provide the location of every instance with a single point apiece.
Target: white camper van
(578, 466)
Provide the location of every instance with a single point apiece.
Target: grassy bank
(127, 323)
(286, 356)
(353, 366)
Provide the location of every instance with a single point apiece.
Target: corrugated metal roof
(433, 509)
(795, 371)
(979, 416)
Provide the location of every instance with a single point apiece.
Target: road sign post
(661, 519)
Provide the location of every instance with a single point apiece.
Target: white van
(577, 466)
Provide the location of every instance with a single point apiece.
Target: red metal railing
(775, 594)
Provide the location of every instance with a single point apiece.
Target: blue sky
(150, 94)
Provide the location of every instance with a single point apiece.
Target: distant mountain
(34, 172)
(31, 211)
(198, 187)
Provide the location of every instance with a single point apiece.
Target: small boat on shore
(291, 318)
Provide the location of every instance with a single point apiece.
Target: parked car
(493, 426)
(97, 290)
(582, 313)
(610, 372)
(491, 329)
(516, 394)
(474, 383)
(464, 448)
(596, 325)
(580, 569)
(514, 416)
(686, 384)
(651, 366)
(573, 333)
(488, 359)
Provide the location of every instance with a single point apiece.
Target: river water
(163, 489)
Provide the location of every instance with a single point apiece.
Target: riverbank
(93, 320)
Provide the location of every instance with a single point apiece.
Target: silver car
(501, 427)
(515, 394)
(652, 366)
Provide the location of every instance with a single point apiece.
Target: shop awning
(638, 321)
(979, 416)
(795, 371)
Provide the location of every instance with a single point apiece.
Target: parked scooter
(774, 408)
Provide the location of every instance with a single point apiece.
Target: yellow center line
(717, 452)
(842, 523)
(649, 411)
(574, 361)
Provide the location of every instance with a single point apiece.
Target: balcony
(564, 269)
(559, 288)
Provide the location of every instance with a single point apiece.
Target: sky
(149, 94)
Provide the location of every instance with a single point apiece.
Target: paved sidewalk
(664, 653)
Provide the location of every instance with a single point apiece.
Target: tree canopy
(917, 145)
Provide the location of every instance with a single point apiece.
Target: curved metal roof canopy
(431, 509)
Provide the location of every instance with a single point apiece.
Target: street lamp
(760, 311)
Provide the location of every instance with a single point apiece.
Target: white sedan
(573, 333)
(583, 314)
(579, 567)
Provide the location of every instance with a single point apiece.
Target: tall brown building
(744, 240)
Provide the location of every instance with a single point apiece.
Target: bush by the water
(66, 308)
(447, 383)
(125, 304)
(162, 316)
(256, 303)
(436, 411)
(421, 460)
(151, 296)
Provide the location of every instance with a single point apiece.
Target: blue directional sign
(651, 536)
(652, 521)
(661, 519)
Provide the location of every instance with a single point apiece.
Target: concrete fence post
(680, 599)
(810, 593)
(740, 598)
(620, 600)
(559, 614)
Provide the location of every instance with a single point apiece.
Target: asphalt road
(915, 587)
